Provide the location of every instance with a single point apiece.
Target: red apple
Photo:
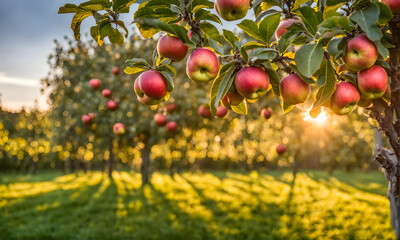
(112, 105)
(160, 119)
(364, 102)
(232, 10)
(190, 34)
(152, 84)
(92, 115)
(266, 113)
(115, 70)
(294, 90)
(202, 65)
(372, 82)
(106, 93)
(394, 5)
(221, 112)
(172, 126)
(86, 119)
(281, 149)
(204, 111)
(95, 83)
(282, 27)
(119, 129)
(252, 82)
(171, 47)
(345, 97)
(361, 53)
(170, 107)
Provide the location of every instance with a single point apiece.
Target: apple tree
(333, 53)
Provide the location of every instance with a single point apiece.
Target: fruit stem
(195, 26)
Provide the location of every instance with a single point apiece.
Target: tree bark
(110, 159)
(145, 162)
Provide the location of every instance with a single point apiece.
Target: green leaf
(148, 26)
(122, 24)
(305, 79)
(286, 107)
(262, 54)
(310, 18)
(96, 5)
(268, 26)
(331, 8)
(203, 14)
(382, 63)
(337, 47)
(241, 108)
(273, 77)
(287, 39)
(215, 45)
(94, 32)
(266, 13)
(308, 58)
(121, 4)
(334, 24)
(252, 45)
(327, 82)
(68, 8)
(168, 79)
(298, 3)
(224, 86)
(198, 4)
(385, 14)
(211, 31)
(116, 37)
(76, 23)
(383, 51)
(133, 70)
(230, 37)
(367, 19)
(167, 68)
(251, 28)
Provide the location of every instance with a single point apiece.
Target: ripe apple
(170, 107)
(106, 93)
(232, 10)
(119, 129)
(149, 101)
(86, 119)
(160, 119)
(190, 34)
(364, 102)
(394, 5)
(204, 111)
(152, 84)
(345, 97)
(294, 90)
(202, 65)
(92, 115)
(266, 113)
(281, 149)
(361, 53)
(95, 83)
(225, 102)
(252, 82)
(115, 70)
(172, 126)
(172, 47)
(221, 112)
(112, 105)
(372, 82)
(282, 27)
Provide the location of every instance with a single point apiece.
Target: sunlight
(321, 119)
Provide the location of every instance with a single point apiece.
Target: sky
(28, 29)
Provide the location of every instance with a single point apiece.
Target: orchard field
(207, 205)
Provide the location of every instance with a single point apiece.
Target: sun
(321, 119)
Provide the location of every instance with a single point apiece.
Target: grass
(217, 205)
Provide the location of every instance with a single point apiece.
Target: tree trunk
(145, 163)
(110, 159)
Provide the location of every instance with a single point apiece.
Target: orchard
(241, 102)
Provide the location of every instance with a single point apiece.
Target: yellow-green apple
(115, 70)
(361, 53)
(170, 107)
(152, 84)
(364, 102)
(252, 82)
(294, 90)
(394, 5)
(372, 82)
(202, 65)
(231, 10)
(86, 119)
(281, 149)
(149, 101)
(119, 129)
(221, 112)
(106, 93)
(172, 47)
(112, 105)
(232, 99)
(172, 126)
(204, 111)
(282, 27)
(345, 97)
(95, 83)
(266, 113)
(160, 119)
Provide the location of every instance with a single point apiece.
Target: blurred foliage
(219, 205)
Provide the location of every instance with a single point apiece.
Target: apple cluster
(161, 120)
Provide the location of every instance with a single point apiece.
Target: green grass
(217, 205)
